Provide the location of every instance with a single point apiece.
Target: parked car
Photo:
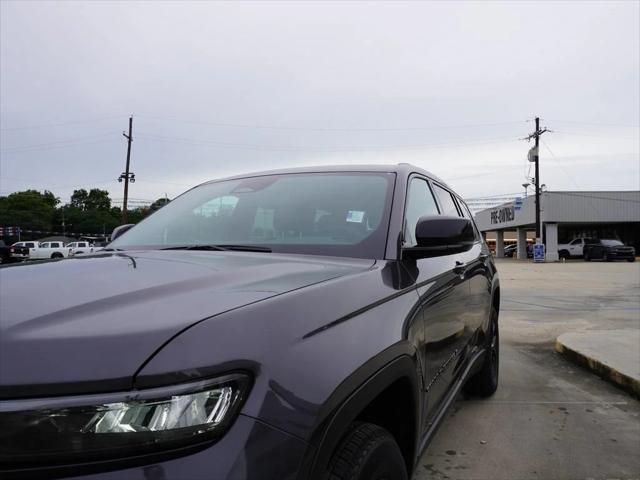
(572, 249)
(608, 250)
(48, 250)
(81, 248)
(511, 250)
(23, 250)
(5, 252)
(308, 323)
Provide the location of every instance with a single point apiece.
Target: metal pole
(126, 171)
(537, 160)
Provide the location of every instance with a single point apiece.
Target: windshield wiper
(237, 248)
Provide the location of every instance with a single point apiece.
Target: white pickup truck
(48, 250)
(572, 249)
(81, 248)
(22, 250)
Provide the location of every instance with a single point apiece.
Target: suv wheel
(367, 452)
(485, 382)
(564, 254)
(57, 255)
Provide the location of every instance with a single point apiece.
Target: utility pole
(126, 175)
(535, 157)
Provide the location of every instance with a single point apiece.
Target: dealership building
(564, 216)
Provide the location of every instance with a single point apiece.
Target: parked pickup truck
(23, 250)
(575, 248)
(48, 250)
(608, 250)
(80, 248)
(5, 253)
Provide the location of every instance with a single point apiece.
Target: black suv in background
(299, 324)
(608, 250)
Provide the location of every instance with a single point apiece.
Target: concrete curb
(625, 382)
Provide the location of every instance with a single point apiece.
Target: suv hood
(88, 324)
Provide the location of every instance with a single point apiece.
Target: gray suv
(301, 324)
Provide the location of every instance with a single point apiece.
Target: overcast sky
(221, 88)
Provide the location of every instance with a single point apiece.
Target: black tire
(485, 382)
(632, 259)
(57, 255)
(564, 254)
(367, 452)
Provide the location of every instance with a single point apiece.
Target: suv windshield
(343, 214)
(612, 243)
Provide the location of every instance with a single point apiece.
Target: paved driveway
(549, 419)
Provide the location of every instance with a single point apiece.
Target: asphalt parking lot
(550, 419)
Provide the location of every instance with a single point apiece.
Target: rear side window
(420, 203)
(447, 203)
(30, 245)
(466, 213)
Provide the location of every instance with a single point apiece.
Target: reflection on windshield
(343, 214)
(612, 243)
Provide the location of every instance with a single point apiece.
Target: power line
(597, 136)
(328, 129)
(42, 182)
(489, 197)
(307, 148)
(57, 144)
(484, 174)
(586, 195)
(597, 124)
(62, 124)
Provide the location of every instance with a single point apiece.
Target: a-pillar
(522, 243)
(500, 243)
(551, 233)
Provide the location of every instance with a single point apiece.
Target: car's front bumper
(250, 450)
(613, 255)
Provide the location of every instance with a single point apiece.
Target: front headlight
(93, 428)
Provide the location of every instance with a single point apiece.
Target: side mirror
(441, 235)
(119, 230)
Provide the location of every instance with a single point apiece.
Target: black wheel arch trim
(353, 395)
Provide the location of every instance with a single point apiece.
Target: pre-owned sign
(502, 215)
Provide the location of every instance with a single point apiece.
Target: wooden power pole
(535, 157)
(127, 175)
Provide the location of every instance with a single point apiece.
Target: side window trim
(453, 198)
(410, 179)
(476, 230)
(456, 202)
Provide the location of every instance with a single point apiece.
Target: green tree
(29, 210)
(95, 199)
